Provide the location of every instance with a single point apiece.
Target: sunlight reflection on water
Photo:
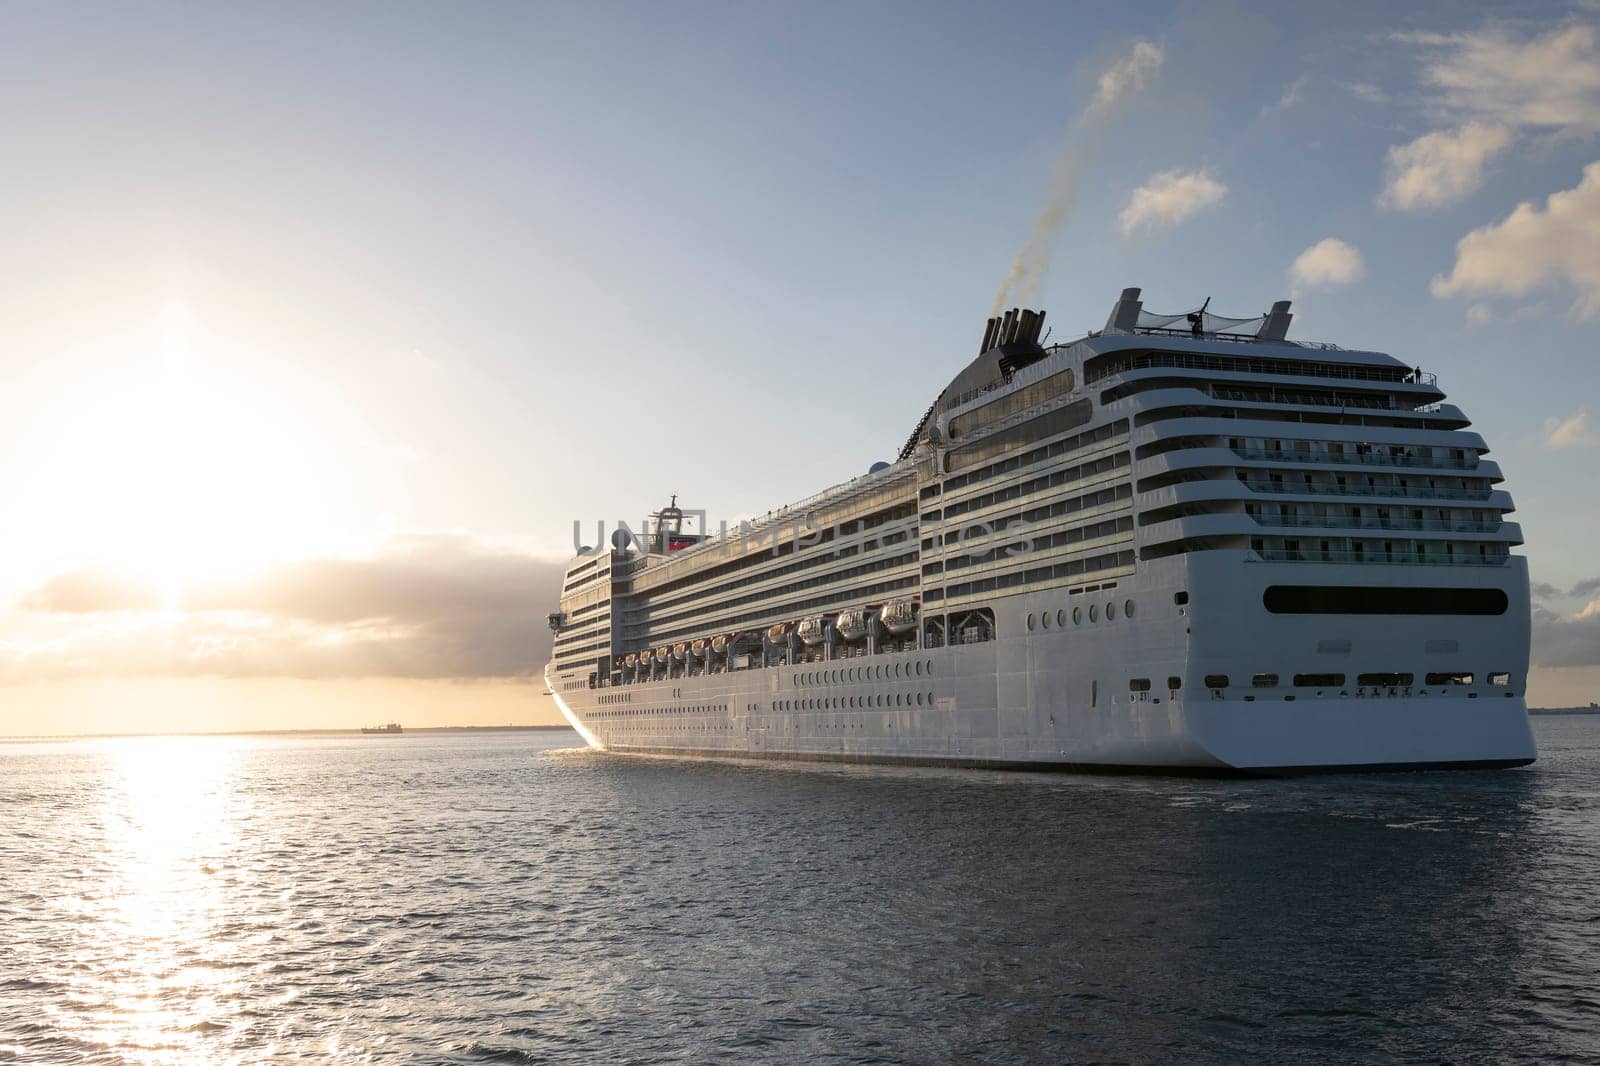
(506, 898)
(166, 828)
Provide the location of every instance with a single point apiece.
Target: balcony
(1323, 489)
(1296, 555)
(1339, 522)
(1353, 458)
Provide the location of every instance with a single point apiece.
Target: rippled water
(505, 897)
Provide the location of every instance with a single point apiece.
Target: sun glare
(177, 473)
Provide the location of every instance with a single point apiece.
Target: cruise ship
(1182, 543)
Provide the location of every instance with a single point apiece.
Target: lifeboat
(719, 644)
(810, 630)
(663, 654)
(852, 624)
(630, 660)
(777, 634)
(680, 651)
(698, 648)
(900, 616)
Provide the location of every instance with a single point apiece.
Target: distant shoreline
(351, 731)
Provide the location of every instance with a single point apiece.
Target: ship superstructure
(1183, 541)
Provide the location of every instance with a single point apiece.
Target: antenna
(1197, 318)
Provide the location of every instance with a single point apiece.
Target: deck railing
(1289, 555)
(1370, 458)
(1336, 522)
(1319, 489)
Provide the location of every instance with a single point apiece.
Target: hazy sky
(319, 325)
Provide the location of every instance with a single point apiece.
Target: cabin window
(1127, 608)
(1501, 679)
(1449, 679)
(1077, 616)
(1264, 680)
(1318, 680)
(1180, 598)
(1030, 623)
(1061, 618)
(1139, 684)
(1216, 681)
(1174, 683)
(1385, 680)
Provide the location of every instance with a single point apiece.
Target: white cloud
(1551, 81)
(1293, 93)
(1570, 432)
(1441, 167)
(1491, 88)
(1367, 92)
(1127, 75)
(1328, 262)
(1530, 247)
(1168, 198)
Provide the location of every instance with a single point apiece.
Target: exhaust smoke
(1117, 84)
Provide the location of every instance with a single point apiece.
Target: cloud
(1489, 88)
(1479, 315)
(1552, 81)
(439, 606)
(1126, 76)
(1559, 641)
(1168, 198)
(1570, 432)
(93, 590)
(1586, 587)
(1328, 262)
(1441, 167)
(1541, 590)
(1530, 247)
(1366, 92)
(1291, 96)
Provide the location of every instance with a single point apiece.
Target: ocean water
(508, 897)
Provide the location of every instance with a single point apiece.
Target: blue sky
(479, 270)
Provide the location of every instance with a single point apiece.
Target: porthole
(1061, 618)
(1077, 616)
(1127, 608)
(919, 699)
(1094, 612)
(1111, 612)
(1044, 619)
(1030, 623)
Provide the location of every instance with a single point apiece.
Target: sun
(165, 468)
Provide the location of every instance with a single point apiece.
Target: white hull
(1061, 698)
(1200, 551)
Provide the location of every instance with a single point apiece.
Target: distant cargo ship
(1182, 541)
(392, 727)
